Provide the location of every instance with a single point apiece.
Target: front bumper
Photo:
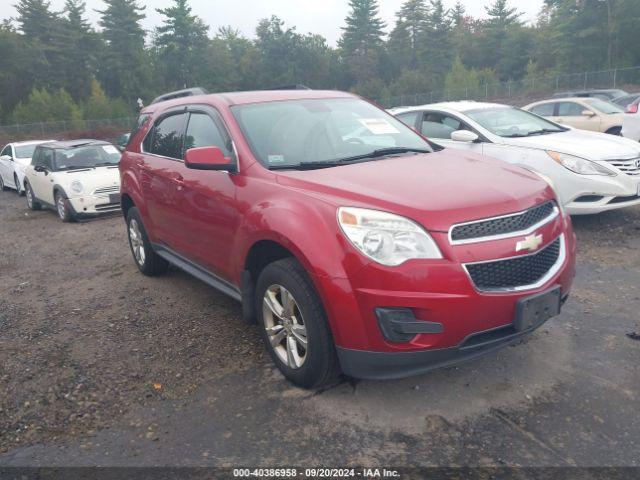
(89, 206)
(437, 292)
(603, 204)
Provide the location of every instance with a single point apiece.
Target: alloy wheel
(29, 197)
(137, 244)
(285, 326)
(62, 208)
(18, 186)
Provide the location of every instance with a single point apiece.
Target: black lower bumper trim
(389, 365)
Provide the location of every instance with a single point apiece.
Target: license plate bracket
(533, 311)
(114, 198)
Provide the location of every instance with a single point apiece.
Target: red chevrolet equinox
(354, 243)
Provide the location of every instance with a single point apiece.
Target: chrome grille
(518, 273)
(107, 190)
(520, 223)
(630, 167)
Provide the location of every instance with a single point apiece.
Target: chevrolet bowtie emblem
(531, 243)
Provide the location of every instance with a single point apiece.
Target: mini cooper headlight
(580, 165)
(386, 238)
(77, 187)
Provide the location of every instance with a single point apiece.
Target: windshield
(25, 151)
(87, 157)
(512, 122)
(304, 132)
(603, 106)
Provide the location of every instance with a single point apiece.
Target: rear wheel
(2, 186)
(32, 203)
(294, 326)
(19, 188)
(63, 208)
(147, 260)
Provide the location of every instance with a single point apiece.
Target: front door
(438, 127)
(42, 182)
(6, 165)
(571, 113)
(209, 218)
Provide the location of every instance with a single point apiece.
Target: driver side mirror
(588, 113)
(208, 158)
(41, 169)
(464, 136)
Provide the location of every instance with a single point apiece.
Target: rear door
(162, 150)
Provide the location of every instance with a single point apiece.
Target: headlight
(76, 187)
(580, 165)
(386, 238)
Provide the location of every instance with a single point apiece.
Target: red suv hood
(436, 189)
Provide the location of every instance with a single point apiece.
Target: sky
(325, 17)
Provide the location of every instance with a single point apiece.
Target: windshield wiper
(381, 152)
(544, 131)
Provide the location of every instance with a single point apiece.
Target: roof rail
(296, 86)
(187, 92)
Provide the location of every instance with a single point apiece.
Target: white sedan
(14, 159)
(591, 172)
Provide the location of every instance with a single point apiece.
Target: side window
(438, 125)
(204, 132)
(44, 158)
(544, 110)
(409, 118)
(6, 151)
(570, 109)
(166, 137)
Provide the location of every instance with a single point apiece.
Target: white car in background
(631, 122)
(14, 159)
(78, 179)
(591, 172)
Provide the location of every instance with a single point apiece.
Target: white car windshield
(324, 132)
(603, 107)
(87, 157)
(512, 122)
(25, 151)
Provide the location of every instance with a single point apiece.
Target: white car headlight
(386, 238)
(580, 165)
(77, 187)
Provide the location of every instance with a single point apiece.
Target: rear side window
(166, 137)
(204, 132)
(545, 110)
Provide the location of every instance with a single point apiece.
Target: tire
(2, 185)
(615, 131)
(19, 189)
(32, 203)
(62, 207)
(310, 363)
(146, 259)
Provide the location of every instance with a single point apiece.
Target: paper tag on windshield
(378, 126)
(110, 149)
(275, 159)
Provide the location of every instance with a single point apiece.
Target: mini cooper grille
(106, 190)
(503, 225)
(514, 272)
(630, 167)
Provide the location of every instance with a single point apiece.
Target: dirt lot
(102, 366)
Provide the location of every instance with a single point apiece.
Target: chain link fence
(104, 129)
(616, 78)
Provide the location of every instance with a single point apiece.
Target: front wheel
(2, 185)
(62, 207)
(19, 189)
(615, 131)
(32, 203)
(294, 326)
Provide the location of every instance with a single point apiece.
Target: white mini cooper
(79, 179)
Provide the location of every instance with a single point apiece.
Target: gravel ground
(100, 365)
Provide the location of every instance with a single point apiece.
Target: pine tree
(180, 43)
(439, 40)
(361, 43)
(457, 14)
(123, 66)
(407, 39)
